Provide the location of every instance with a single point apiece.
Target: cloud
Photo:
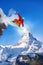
(12, 14)
(6, 19)
(11, 11)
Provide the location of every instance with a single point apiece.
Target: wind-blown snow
(7, 19)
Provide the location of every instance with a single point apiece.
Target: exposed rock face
(2, 26)
(27, 60)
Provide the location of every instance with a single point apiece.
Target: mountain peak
(27, 44)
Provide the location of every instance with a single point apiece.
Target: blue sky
(32, 11)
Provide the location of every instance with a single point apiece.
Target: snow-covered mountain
(27, 44)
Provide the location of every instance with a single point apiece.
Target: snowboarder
(19, 21)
